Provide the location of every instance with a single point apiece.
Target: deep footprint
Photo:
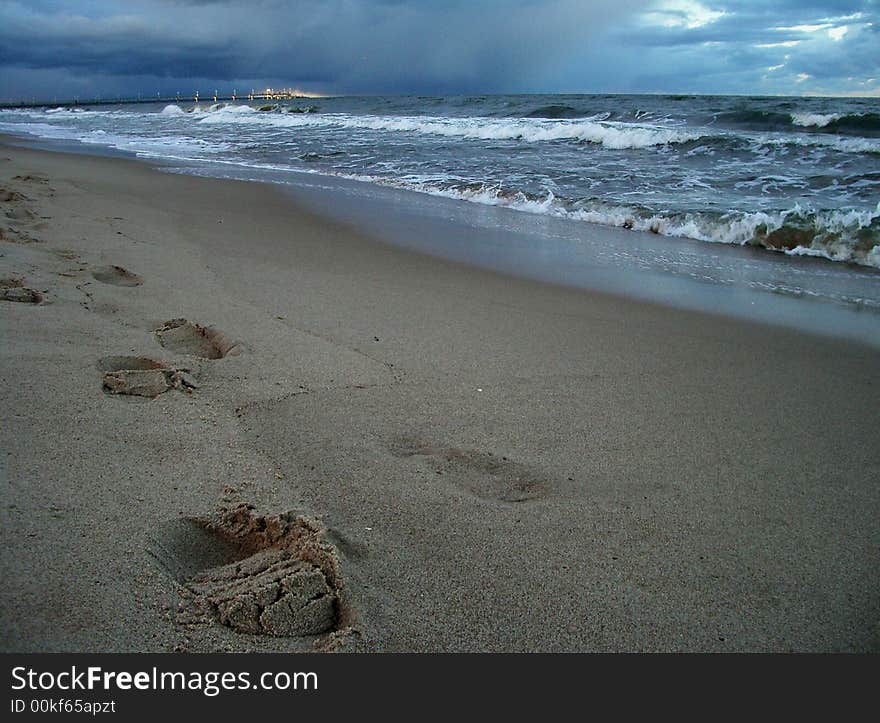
(117, 276)
(483, 474)
(142, 376)
(32, 178)
(13, 290)
(16, 236)
(260, 575)
(8, 196)
(184, 337)
(19, 213)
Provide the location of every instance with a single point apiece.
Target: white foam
(225, 109)
(817, 120)
(844, 145)
(216, 110)
(79, 113)
(170, 147)
(835, 231)
(611, 135)
(837, 235)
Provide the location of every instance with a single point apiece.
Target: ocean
(793, 183)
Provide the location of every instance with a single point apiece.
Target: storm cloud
(54, 48)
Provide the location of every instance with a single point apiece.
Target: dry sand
(231, 425)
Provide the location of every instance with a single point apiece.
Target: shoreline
(804, 293)
(498, 463)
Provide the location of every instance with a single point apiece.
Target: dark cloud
(341, 45)
(443, 46)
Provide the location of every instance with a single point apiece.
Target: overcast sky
(62, 48)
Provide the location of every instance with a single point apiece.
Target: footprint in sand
(482, 474)
(116, 276)
(16, 214)
(31, 178)
(142, 377)
(36, 183)
(20, 214)
(8, 196)
(260, 575)
(66, 254)
(14, 290)
(16, 236)
(183, 337)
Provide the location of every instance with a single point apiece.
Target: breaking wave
(595, 129)
(847, 124)
(817, 120)
(611, 135)
(844, 235)
(760, 172)
(867, 124)
(214, 108)
(856, 124)
(843, 145)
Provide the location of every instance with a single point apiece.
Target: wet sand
(345, 445)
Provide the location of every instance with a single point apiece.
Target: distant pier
(196, 97)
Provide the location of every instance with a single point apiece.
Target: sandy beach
(409, 454)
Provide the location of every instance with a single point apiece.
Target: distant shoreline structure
(215, 97)
(295, 93)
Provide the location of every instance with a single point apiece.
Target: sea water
(793, 183)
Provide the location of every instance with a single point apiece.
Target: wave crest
(847, 124)
(843, 235)
(816, 120)
(611, 135)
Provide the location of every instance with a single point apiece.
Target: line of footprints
(147, 377)
(140, 375)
